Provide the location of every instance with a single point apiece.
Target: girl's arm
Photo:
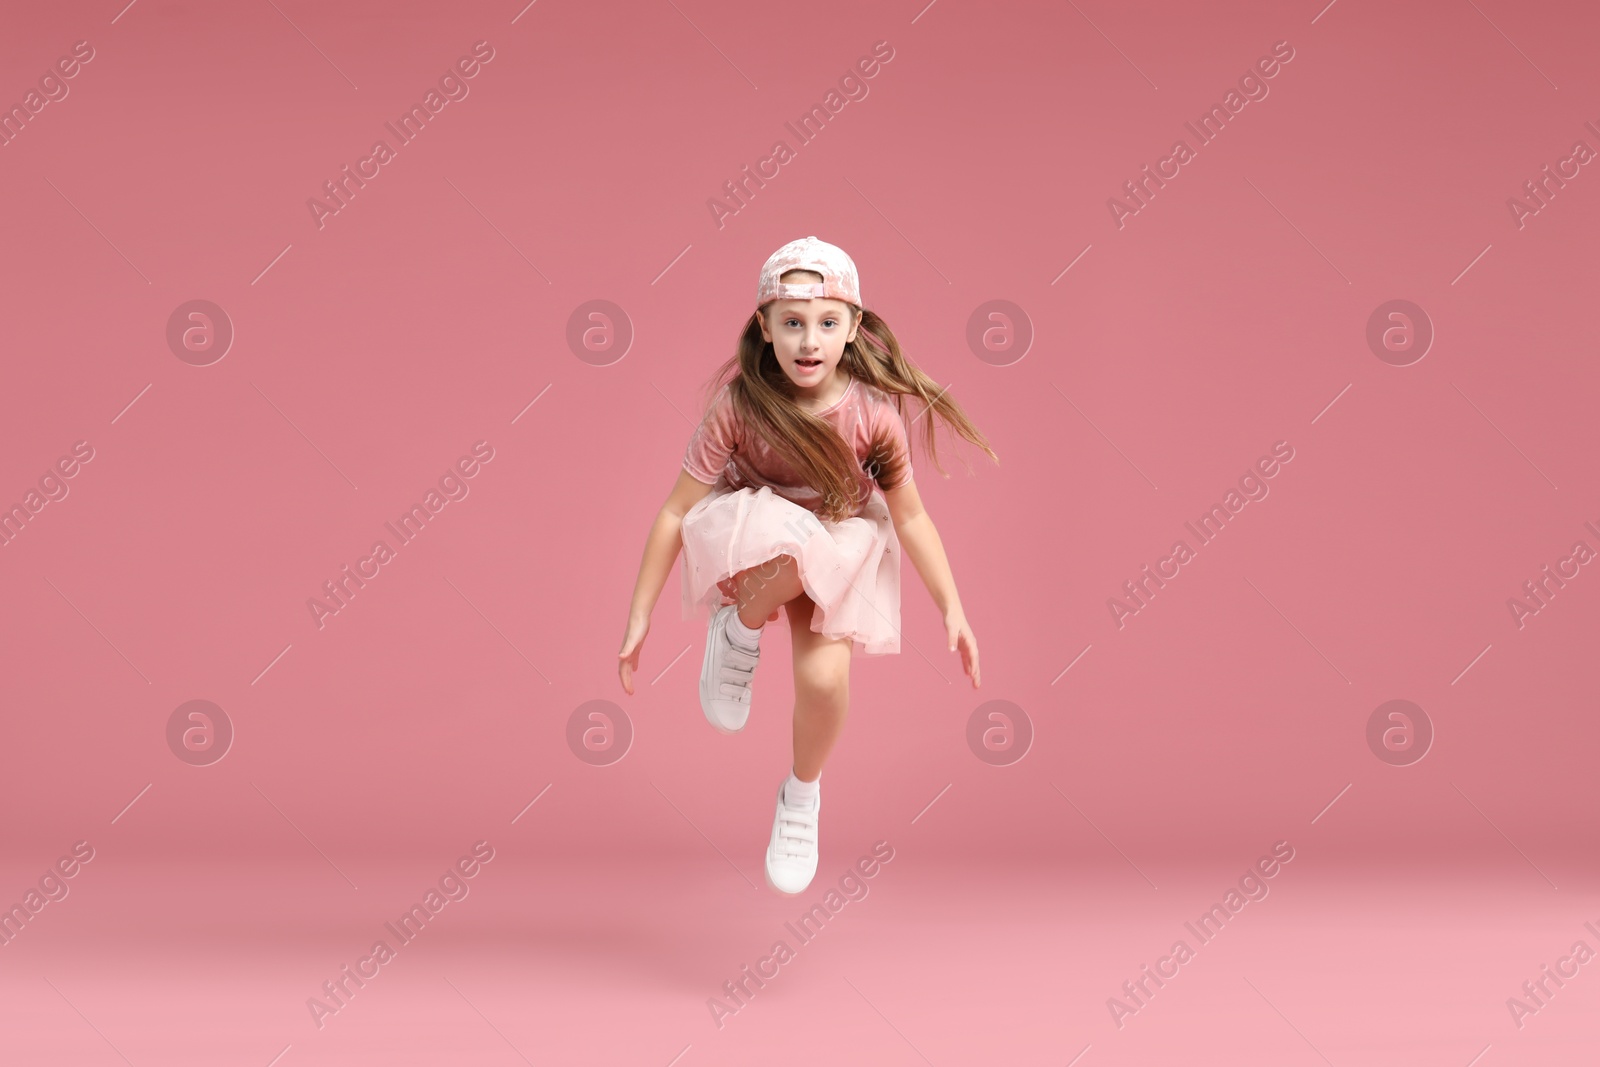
(660, 549)
(664, 541)
(920, 539)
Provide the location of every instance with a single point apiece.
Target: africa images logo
(852, 887)
(452, 84)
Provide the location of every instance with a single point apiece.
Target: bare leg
(759, 590)
(821, 690)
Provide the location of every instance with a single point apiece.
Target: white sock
(742, 635)
(797, 792)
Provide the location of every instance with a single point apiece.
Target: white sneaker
(792, 852)
(725, 675)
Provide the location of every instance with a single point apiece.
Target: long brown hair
(763, 399)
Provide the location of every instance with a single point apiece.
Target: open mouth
(808, 364)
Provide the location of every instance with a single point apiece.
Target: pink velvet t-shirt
(720, 444)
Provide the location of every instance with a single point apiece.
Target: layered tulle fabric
(849, 569)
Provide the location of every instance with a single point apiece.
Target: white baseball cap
(839, 278)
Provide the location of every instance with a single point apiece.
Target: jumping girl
(774, 507)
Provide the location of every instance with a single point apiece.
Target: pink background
(431, 311)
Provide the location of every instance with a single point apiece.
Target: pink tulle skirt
(849, 569)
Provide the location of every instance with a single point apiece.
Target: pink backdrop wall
(374, 350)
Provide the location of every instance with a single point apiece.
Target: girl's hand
(958, 633)
(632, 641)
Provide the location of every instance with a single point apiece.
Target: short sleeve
(713, 441)
(888, 419)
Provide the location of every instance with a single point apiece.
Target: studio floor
(623, 961)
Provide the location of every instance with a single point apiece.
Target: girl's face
(808, 338)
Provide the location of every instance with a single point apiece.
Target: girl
(774, 506)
